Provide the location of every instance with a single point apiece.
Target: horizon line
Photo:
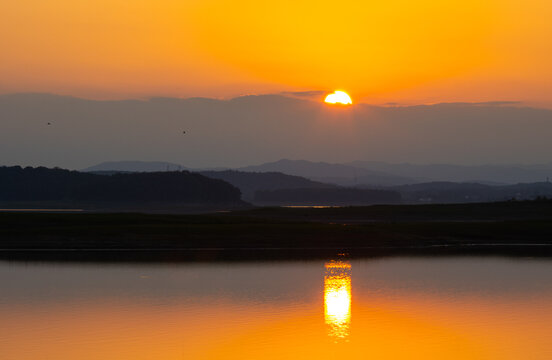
(287, 95)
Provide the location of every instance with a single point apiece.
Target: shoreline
(159, 256)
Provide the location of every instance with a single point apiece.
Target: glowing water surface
(337, 298)
(390, 308)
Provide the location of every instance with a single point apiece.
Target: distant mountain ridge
(360, 173)
(134, 166)
(339, 174)
(231, 186)
(376, 173)
(497, 174)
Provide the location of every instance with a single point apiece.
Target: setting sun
(338, 97)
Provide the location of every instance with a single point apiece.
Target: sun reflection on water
(337, 298)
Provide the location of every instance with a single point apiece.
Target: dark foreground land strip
(493, 211)
(280, 233)
(268, 254)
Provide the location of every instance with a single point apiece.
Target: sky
(393, 51)
(47, 130)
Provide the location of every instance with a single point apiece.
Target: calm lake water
(388, 308)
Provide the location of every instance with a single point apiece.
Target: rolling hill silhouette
(339, 174)
(134, 166)
(38, 185)
(251, 182)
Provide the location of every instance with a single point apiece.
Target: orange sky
(379, 51)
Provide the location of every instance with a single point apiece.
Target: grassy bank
(498, 226)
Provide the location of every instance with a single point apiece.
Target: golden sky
(399, 51)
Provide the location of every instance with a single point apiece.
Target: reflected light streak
(337, 298)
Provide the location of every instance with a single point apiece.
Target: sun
(338, 97)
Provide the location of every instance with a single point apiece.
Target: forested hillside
(43, 184)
